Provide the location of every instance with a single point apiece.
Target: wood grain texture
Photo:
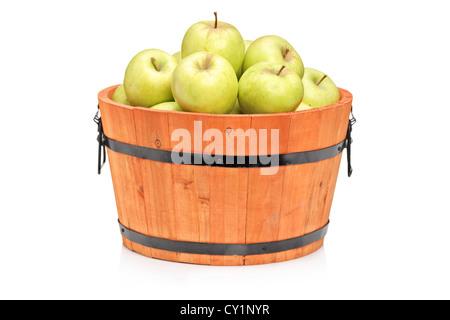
(264, 193)
(152, 132)
(118, 124)
(217, 204)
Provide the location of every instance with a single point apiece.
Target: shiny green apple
(170, 105)
(247, 44)
(205, 82)
(217, 37)
(236, 108)
(320, 90)
(120, 96)
(273, 49)
(303, 106)
(148, 78)
(177, 55)
(269, 87)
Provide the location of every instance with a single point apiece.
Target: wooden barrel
(223, 209)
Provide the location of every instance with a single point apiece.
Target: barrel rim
(105, 96)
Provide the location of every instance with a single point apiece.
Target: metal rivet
(123, 230)
(264, 248)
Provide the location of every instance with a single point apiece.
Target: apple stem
(285, 52)
(281, 70)
(215, 25)
(320, 81)
(154, 63)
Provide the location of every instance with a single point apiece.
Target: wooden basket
(222, 215)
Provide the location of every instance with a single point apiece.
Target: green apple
(236, 108)
(177, 55)
(148, 78)
(303, 106)
(268, 87)
(216, 37)
(320, 90)
(247, 44)
(170, 105)
(273, 49)
(120, 96)
(205, 82)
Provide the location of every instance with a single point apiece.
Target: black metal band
(221, 160)
(224, 160)
(223, 249)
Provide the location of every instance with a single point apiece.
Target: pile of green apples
(219, 72)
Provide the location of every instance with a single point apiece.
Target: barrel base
(215, 260)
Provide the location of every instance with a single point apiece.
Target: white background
(389, 232)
